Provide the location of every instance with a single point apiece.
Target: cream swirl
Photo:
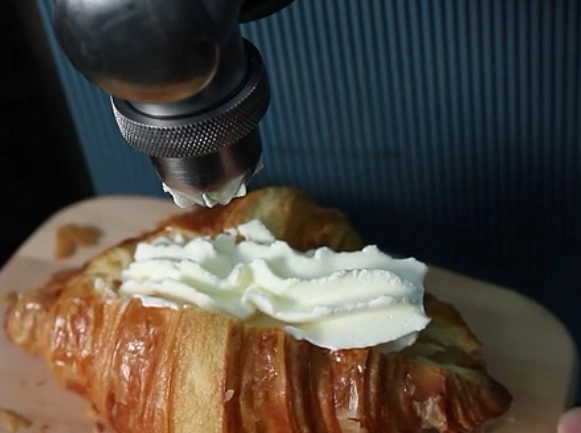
(335, 300)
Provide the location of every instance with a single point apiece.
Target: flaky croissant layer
(169, 370)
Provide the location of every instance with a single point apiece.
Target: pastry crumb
(91, 410)
(64, 246)
(13, 421)
(98, 427)
(85, 236)
(228, 395)
(10, 298)
(69, 237)
(41, 382)
(43, 428)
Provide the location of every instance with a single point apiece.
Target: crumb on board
(41, 382)
(10, 298)
(43, 428)
(13, 421)
(71, 236)
(91, 410)
(98, 427)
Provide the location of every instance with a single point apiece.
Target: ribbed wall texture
(447, 129)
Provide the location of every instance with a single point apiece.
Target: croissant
(164, 370)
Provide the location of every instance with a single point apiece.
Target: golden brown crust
(12, 421)
(165, 370)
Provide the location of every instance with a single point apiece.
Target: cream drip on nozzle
(228, 191)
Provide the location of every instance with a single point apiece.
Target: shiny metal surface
(231, 74)
(156, 51)
(209, 172)
(200, 132)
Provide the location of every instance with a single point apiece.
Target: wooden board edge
(568, 339)
(517, 295)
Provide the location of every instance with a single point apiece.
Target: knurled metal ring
(204, 133)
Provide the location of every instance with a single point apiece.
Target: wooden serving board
(526, 348)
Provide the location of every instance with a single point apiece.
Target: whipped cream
(335, 300)
(228, 191)
(234, 188)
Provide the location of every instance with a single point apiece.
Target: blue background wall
(446, 129)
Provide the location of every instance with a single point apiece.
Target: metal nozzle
(214, 178)
(199, 154)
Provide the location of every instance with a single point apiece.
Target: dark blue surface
(446, 129)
